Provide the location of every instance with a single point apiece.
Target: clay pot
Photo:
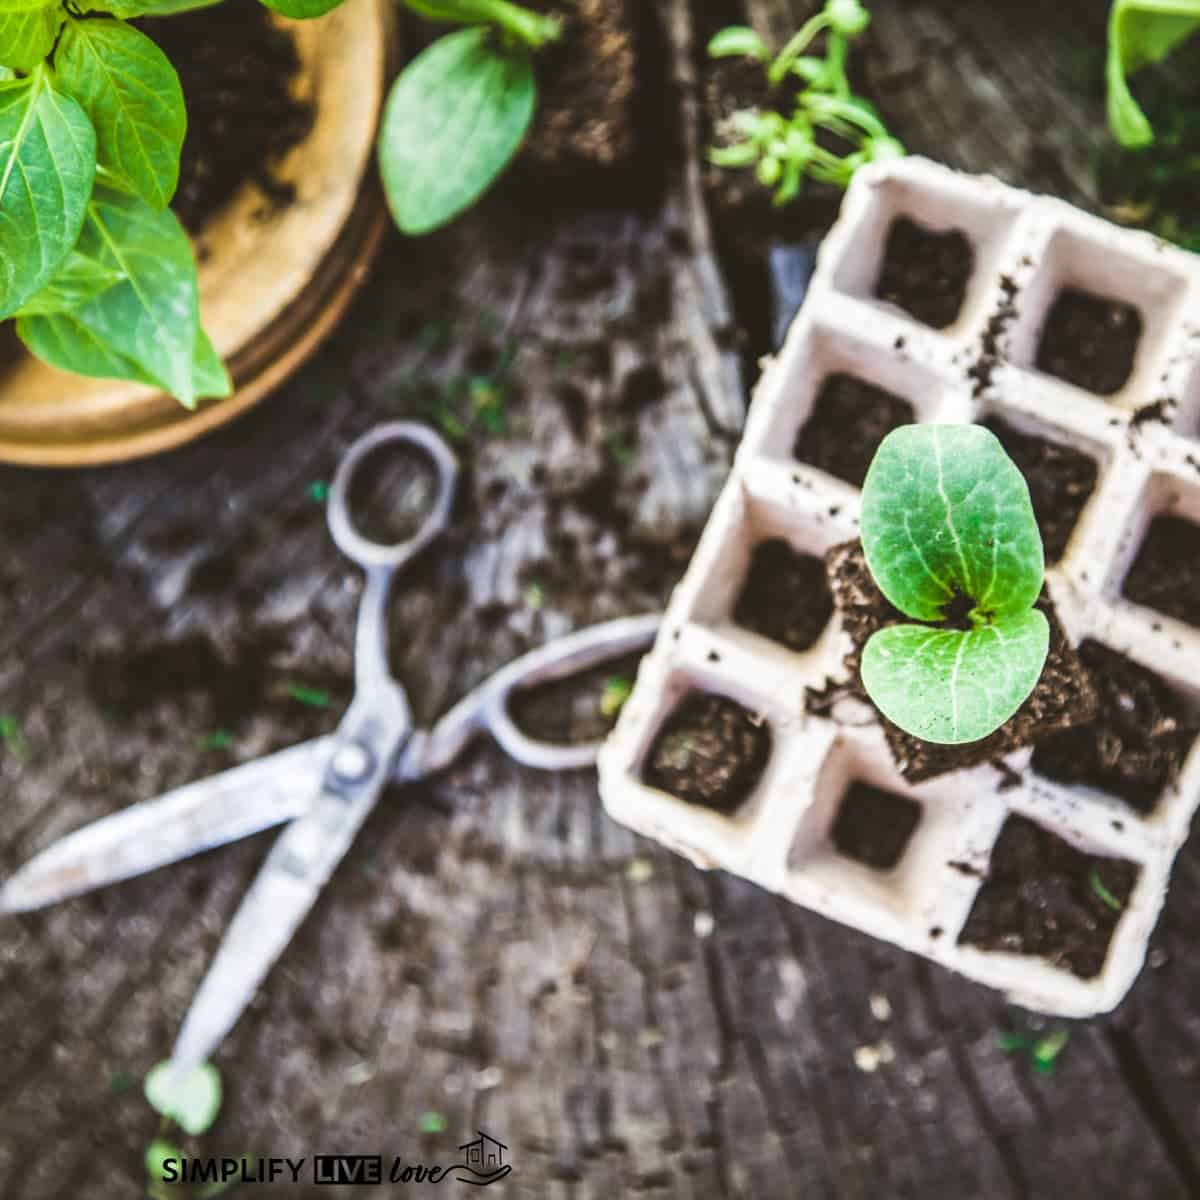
(273, 282)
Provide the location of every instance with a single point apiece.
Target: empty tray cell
(1044, 897)
(849, 419)
(710, 751)
(1090, 341)
(1061, 481)
(873, 826)
(785, 596)
(928, 250)
(1099, 312)
(1165, 574)
(1138, 741)
(925, 271)
(1186, 418)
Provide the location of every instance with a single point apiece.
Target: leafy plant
(98, 273)
(784, 150)
(1141, 32)
(950, 538)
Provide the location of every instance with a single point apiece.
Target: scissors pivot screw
(352, 762)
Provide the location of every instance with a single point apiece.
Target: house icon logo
(484, 1160)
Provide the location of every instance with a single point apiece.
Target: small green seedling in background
(311, 696)
(12, 738)
(190, 1105)
(947, 523)
(432, 1122)
(318, 491)
(219, 739)
(460, 110)
(1141, 32)
(1043, 1051)
(1105, 896)
(784, 150)
(616, 691)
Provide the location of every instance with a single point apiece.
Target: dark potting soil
(1064, 697)
(1166, 573)
(236, 68)
(849, 419)
(785, 597)
(710, 751)
(1060, 481)
(1043, 897)
(587, 87)
(1090, 341)
(873, 826)
(925, 272)
(1137, 743)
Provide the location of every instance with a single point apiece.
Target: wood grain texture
(486, 952)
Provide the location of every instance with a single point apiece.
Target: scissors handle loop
(350, 540)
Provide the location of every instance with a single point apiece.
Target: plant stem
(532, 28)
(796, 46)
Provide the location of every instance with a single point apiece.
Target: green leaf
(148, 8)
(209, 376)
(21, 6)
(61, 341)
(47, 166)
(132, 96)
(302, 10)
(152, 315)
(738, 41)
(1141, 32)
(192, 1103)
(75, 282)
(156, 1157)
(27, 37)
(945, 512)
(953, 685)
(454, 119)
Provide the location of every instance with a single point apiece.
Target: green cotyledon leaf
(453, 120)
(47, 167)
(946, 513)
(955, 685)
(132, 96)
(27, 37)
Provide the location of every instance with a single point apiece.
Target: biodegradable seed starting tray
(1037, 268)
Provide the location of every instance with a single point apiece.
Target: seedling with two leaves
(785, 150)
(948, 530)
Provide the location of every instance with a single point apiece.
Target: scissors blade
(299, 865)
(176, 825)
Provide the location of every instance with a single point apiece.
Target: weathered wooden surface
(487, 952)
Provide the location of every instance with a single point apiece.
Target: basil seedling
(784, 150)
(1141, 32)
(948, 526)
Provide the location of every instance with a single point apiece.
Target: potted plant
(864, 695)
(100, 279)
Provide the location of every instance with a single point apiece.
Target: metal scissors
(325, 787)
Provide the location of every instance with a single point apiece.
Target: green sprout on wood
(948, 526)
(784, 150)
(1043, 1051)
(1141, 32)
